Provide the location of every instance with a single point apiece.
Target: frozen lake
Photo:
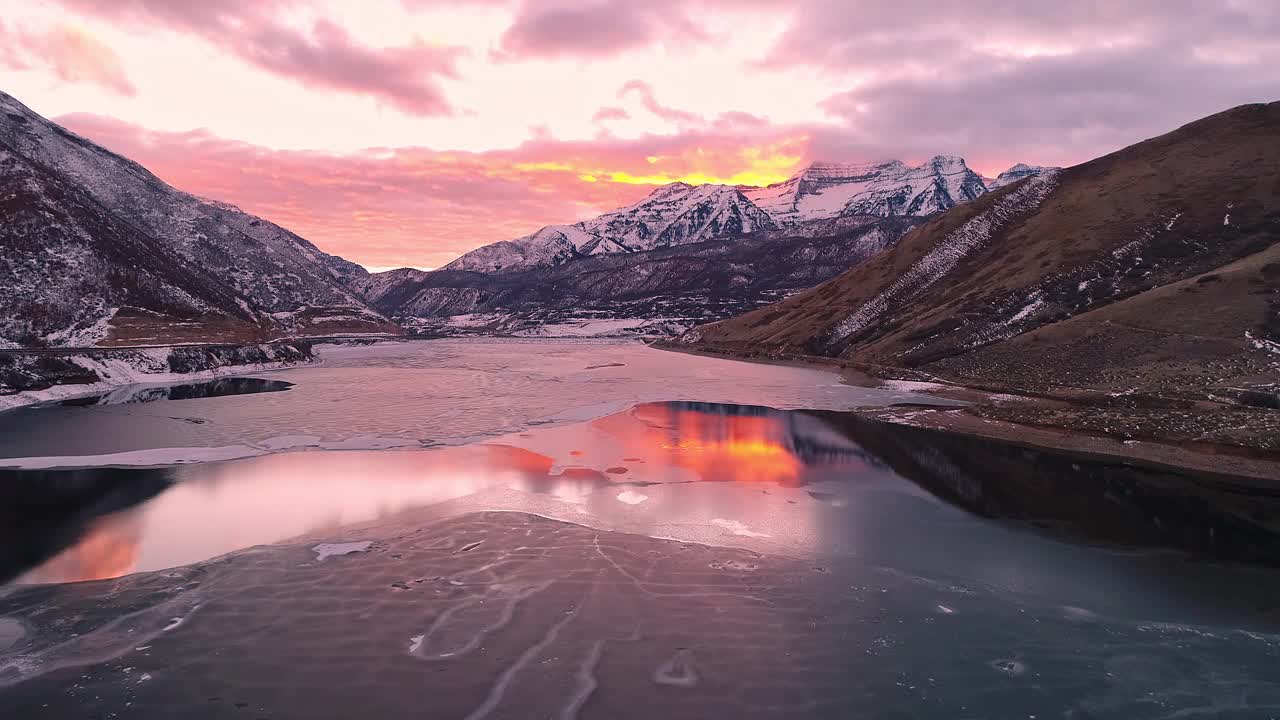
(415, 394)
(546, 529)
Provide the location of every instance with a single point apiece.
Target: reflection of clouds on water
(218, 507)
(529, 617)
(109, 548)
(721, 446)
(706, 442)
(799, 483)
(438, 392)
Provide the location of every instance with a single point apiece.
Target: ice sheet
(415, 394)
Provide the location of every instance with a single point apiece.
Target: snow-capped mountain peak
(679, 213)
(1016, 173)
(673, 214)
(824, 190)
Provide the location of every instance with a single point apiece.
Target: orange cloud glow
(751, 165)
(539, 112)
(109, 549)
(389, 207)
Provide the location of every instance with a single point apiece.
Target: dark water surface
(221, 387)
(677, 558)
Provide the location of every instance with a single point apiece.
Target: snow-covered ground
(913, 386)
(569, 326)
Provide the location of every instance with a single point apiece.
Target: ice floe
(326, 550)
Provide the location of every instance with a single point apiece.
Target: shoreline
(1013, 416)
(1006, 415)
(43, 376)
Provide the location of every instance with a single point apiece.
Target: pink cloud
(605, 114)
(327, 57)
(72, 55)
(420, 207)
(650, 103)
(599, 28)
(1046, 83)
(9, 55)
(1040, 82)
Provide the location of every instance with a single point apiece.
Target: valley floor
(586, 529)
(1205, 436)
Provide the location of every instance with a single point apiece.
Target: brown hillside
(1143, 269)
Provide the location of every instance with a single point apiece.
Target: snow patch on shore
(327, 550)
(913, 386)
(148, 366)
(158, 457)
(590, 328)
(1262, 343)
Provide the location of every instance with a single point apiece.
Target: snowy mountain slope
(1153, 269)
(674, 214)
(274, 236)
(678, 213)
(825, 190)
(67, 264)
(375, 286)
(1016, 173)
(822, 202)
(549, 246)
(97, 250)
(670, 288)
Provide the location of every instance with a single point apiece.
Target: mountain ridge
(673, 214)
(662, 291)
(1151, 269)
(98, 250)
(827, 190)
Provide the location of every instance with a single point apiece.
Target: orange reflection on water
(219, 507)
(714, 445)
(109, 549)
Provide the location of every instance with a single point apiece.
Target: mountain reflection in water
(222, 387)
(646, 463)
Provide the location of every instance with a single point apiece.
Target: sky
(406, 132)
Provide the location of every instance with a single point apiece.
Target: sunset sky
(405, 132)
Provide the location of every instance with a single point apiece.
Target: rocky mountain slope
(830, 204)
(675, 214)
(681, 214)
(825, 190)
(661, 291)
(1016, 173)
(1155, 269)
(98, 251)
